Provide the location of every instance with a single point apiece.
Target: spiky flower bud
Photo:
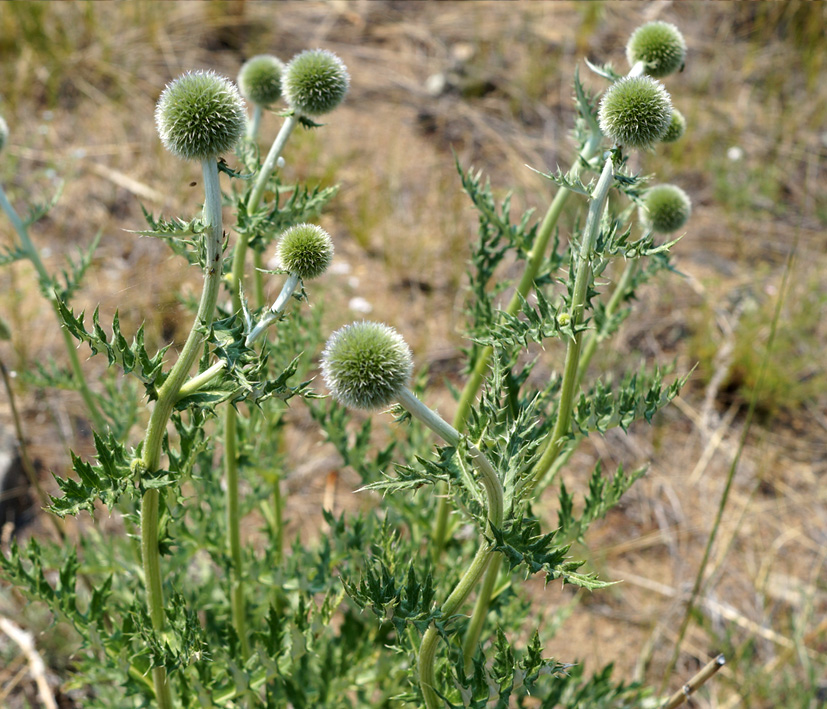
(306, 250)
(635, 112)
(667, 208)
(677, 127)
(659, 45)
(315, 82)
(260, 79)
(366, 365)
(200, 115)
(4, 133)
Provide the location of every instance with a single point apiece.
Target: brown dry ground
(78, 83)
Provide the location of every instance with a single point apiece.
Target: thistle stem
(494, 516)
(535, 260)
(46, 284)
(596, 337)
(230, 414)
(582, 279)
(254, 122)
(167, 396)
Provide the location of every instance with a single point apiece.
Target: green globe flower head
(366, 365)
(677, 127)
(306, 250)
(260, 79)
(200, 115)
(315, 82)
(4, 133)
(667, 208)
(659, 45)
(635, 112)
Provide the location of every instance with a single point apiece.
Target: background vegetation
(490, 81)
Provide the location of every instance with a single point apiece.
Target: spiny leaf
(132, 358)
(106, 480)
(522, 545)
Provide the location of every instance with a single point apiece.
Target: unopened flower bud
(659, 45)
(677, 127)
(366, 365)
(260, 79)
(635, 112)
(306, 250)
(200, 115)
(315, 82)
(4, 133)
(667, 208)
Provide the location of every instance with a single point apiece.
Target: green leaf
(107, 480)
(522, 545)
(132, 358)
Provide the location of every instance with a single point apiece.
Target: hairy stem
(167, 396)
(46, 285)
(582, 279)
(535, 260)
(230, 414)
(595, 337)
(494, 517)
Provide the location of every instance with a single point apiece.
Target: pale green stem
(535, 260)
(192, 385)
(276, 309)
(595, 337)
(167, 396)
(474, 629)
(45, 285)
(582, 279)
(258, 278)
(230, 414)
(494, 517)
(204, 378)
(254, 122)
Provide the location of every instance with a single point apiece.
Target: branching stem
(494, 516)
(230, 414)
(535, 260)
(582, 279)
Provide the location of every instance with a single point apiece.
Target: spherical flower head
(4, 133)
(366, 365)
(306, 250)
(635, 112)
(659, 45)
(677, 127)
(260, 79)
(200, 115)
(668, 208)
(315, 82)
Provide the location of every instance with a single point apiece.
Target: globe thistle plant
(200, 116)
(260, 79)
(304, 251)
(667, 208)
(315, 82)
(660, 46)
(366, 365)
(677, 127)
(635, 112)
